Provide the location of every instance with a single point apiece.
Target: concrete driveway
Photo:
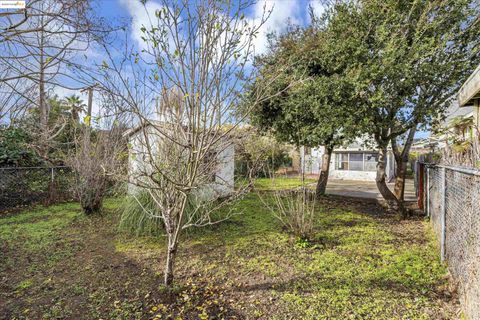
(363, 189)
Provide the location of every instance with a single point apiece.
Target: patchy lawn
(281, 183)
(56, 263)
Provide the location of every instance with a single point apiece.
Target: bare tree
(13, 105)
(41, 46)
(98, 158)
(180, 93)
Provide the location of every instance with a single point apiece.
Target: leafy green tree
(315, 104)
(15, 150)
(406, 59)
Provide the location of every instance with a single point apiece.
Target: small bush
(295, 209)
(261, 152)
(96, 160)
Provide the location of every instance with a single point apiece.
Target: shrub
(15, 149)
(295, 209)
(262, 152)
(97, 161)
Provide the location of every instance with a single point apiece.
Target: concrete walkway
(363, 189)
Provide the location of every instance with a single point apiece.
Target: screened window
(370, 161)
(342, 161)
(356, 161)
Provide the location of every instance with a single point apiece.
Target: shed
(222, 181)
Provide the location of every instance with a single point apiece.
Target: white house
(222, 180)
(356, 161)
(436, 142)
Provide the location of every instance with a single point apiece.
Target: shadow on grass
(308, 284)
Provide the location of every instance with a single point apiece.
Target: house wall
(136, 159)
(470, 89)
(352, 175)
(476, 113)
(224, 175)
(313, 161)
(224, 179)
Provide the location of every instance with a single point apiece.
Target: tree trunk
(323, 179)
(380, 180)
(88, 125)
(401, 160)
(401, 172)
(171, 255)
(42, 105)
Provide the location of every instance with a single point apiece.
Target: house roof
(470, 90)
(455, 110)
(129, 132)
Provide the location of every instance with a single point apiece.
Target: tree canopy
(315, 106)
(406, 59)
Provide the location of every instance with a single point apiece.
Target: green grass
(280, 183)
(359, 266)
(356, 268)
(38, 228)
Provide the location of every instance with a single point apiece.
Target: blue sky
(295, 11)
(282, 12)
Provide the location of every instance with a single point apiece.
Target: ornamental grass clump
(140, 216)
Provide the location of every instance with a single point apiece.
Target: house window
(356, 161)
(342, 161)
(370, 163)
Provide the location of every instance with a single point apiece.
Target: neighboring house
(437, 142)
(469, 96)
(222, 179)
(356, 161)
(462, 119)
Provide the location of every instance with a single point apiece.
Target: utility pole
(88, 119)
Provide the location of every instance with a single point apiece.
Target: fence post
(420, 185)
(427, 200)
(443, 214)
(52, 175)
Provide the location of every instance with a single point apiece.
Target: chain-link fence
(21, 186)
(452, 201)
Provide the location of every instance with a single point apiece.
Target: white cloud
(317, 7)
(141, 17)
(281, 11)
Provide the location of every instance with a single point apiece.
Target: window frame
(346, 165)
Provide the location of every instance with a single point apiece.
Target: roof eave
(470, 90)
